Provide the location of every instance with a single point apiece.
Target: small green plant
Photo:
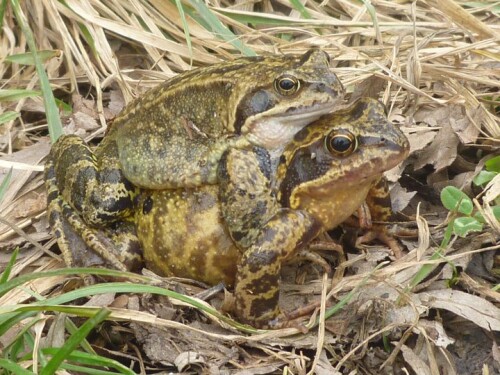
(463, 219)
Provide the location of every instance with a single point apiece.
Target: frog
(259, 217)
(174, 137)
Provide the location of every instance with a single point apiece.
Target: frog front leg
(257, 279)
(85, 200)
(266, 234)
(378, 202)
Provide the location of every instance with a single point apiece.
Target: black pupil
(287, 84)
(341, 143)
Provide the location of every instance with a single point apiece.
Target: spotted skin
(175, 134)
(266, 218)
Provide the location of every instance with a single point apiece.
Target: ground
(435, 310)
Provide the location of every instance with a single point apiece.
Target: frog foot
(379, 232)
(315, 258)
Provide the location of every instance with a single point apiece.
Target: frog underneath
(243, 230)
(174, 137)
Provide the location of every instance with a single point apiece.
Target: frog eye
(341, 143)
(286, 85)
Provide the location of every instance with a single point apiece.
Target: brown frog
(174, 137)
(243, 230)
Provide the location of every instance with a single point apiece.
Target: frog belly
(182, 234)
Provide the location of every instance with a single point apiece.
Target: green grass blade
(301, 8)
(13, 367)
(219, 28)
(52, 112)
(3, 6)
(6, 273)
(14, 95)
(91, 360)
(185, 26)
(73, 341)
(28, 59)
(75, 369)
(338, 306)
(8, 116)
(20, 280)
(373, 15)
(72, 328)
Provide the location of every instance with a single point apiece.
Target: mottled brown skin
(174, 136)
(262, 220)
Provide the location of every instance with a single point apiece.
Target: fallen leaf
(473, 308)
(442, 152)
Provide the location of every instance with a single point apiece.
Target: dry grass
(434, 63)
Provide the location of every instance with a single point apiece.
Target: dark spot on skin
(358, 110)
(253, 103)
(222, 172)
(147, 206)
(300, 137)
(53, 195)
(306, 56)
(237, 235)
(257, 260)
(264, 161)
(54, 217)
(198, 259)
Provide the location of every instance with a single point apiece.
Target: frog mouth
(375, 167)
(273, 132)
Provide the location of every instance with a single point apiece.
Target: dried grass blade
(464, 19)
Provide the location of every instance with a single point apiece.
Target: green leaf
(73, 341)
(483, 177)
(13, 95)
(496, 212)
(462, 226)
(27, 58)
(51, 110)
(493, 164)
(456, 200)
(8, 116)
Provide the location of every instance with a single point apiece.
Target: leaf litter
(435, 64)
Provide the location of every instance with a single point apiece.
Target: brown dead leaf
(31, 155)
(442, 152)
(473, 308)
(115, 105)
(400, 197)
(465, 123)
(419, 138)
(416, 363)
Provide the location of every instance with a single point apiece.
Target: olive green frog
(174, 137)
(241, 231)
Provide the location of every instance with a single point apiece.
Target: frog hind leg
(83, 245)
(92, 184)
